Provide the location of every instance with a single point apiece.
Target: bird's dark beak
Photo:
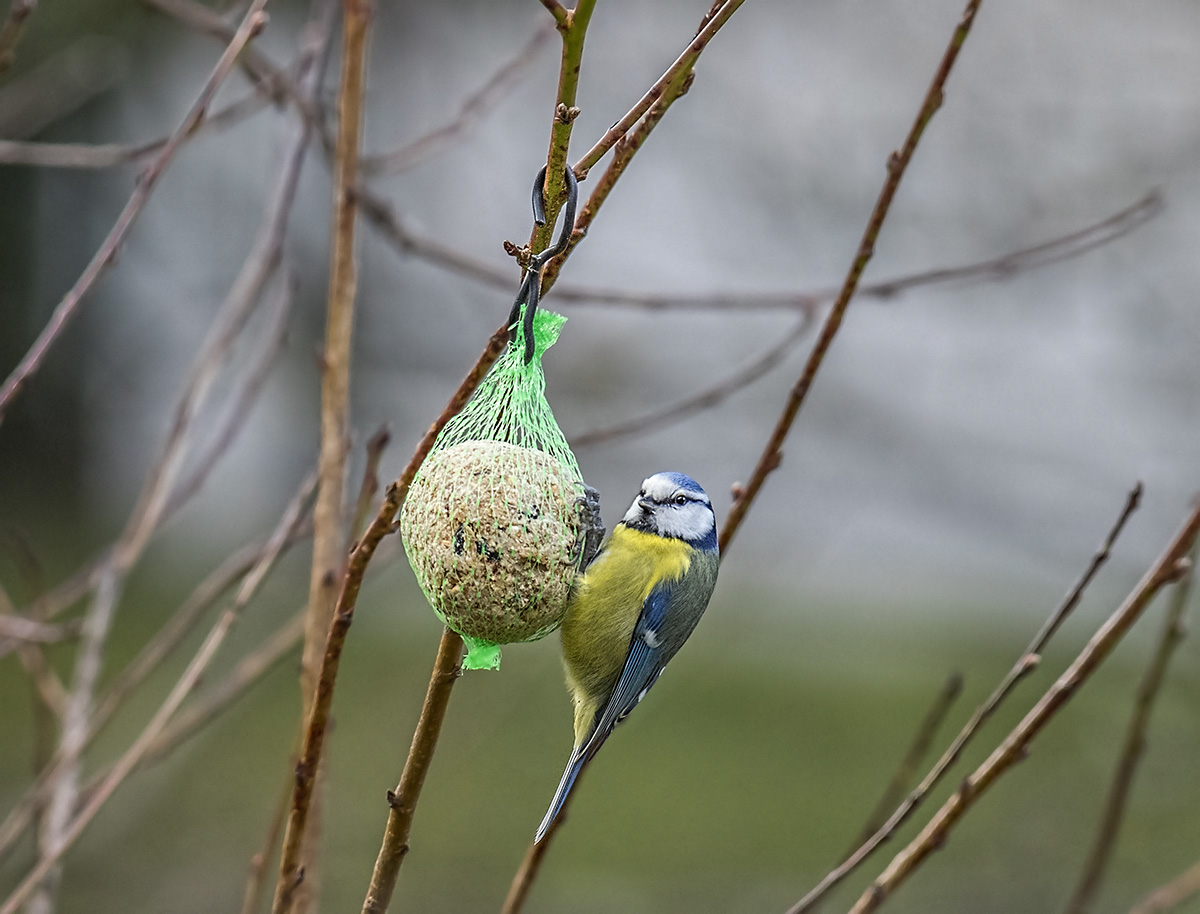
(645, 504)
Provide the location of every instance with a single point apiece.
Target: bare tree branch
(402, 802)
(706, 399)
(1135, 744)
(1166, 570)
(1026, 664)
(104, 257)
(772, 454)
(474, 107)
(329, 538)
(132, 757)
(291, 870)
(677, 74)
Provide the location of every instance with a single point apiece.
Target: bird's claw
(591, 532)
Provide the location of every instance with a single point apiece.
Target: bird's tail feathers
(575, 763)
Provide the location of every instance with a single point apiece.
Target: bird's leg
(591, 532)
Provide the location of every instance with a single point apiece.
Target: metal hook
(531, 285)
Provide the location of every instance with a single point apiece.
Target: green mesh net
(492, 524)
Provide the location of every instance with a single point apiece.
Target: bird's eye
(681, 499)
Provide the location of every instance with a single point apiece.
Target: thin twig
(46, 684)
(1026, 664)
(408, 242)
(402, 802)
(10, 30)
(705, 399)
(572, 26)
(249, 670)
(679, 71)
(17, 630)
(133, 756)
(261, 70)
(1173, 893)
(155, 651)
(674, 85)
(253, 23)
(256, 879)
(291, 870)
(473, 108)
(899, 784)
(1131, 752)
(329, 537)
(1166, 570)
(370, 482)
(154, 499)
(256, 365)
(109, 155)
(772, 454)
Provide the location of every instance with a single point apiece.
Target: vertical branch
(1135, 744)
(772, 454)
(573, 25)
(328, 557)
(402, 802)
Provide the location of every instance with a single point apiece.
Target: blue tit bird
(631, 610)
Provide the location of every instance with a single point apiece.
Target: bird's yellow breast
(606, 603)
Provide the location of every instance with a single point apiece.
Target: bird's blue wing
(643, 665)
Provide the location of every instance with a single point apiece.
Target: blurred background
(965, 448)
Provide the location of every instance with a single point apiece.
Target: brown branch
(48, 688)
(256, 879)
(474, 107)
(630, 142)
(1175, 892)
(573, 26)
(156, 497)
(408, 242)
(146, 514)
(370, 482)
(1166, 570)
(107, 253)
(169, 636)
(1026, 664)
(772, 454)
(1006, 266)
(291, 870)
(11, 29)
(676, 75)
(705, 399)
(17, 630)
(402, 802)
(1134, 746)
(259, 67)
(329, 537)
(249, 670)
(132, 757)
(109, 155)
